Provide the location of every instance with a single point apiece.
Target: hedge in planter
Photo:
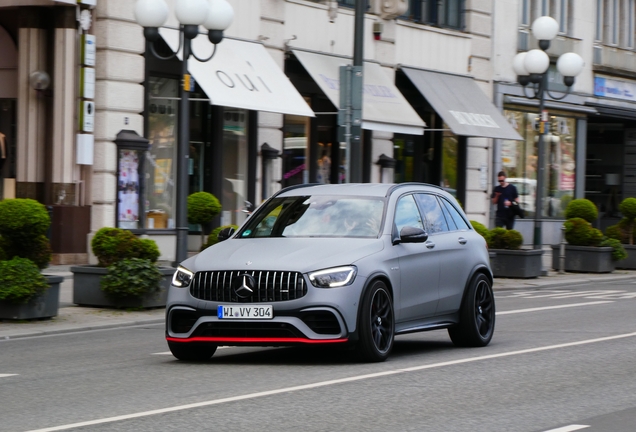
(126, 277)
(20, 281)
(509, 260)
(587, 249)
(23, 226)
(625, 232)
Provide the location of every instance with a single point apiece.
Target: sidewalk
(73, 318)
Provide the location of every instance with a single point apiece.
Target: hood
(288, 254)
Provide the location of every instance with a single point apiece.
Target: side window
(457, 218)
(449, 218)
(435, 220)
(407, 214)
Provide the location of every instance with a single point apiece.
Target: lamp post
(216, 16)
(532, 71)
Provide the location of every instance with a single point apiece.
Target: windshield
(316, 216)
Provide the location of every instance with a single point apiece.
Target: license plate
(245, 312)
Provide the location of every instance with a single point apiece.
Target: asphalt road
(561, 360)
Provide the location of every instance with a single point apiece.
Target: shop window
(519, 161)
(295, 147)
(235, 161)
(442, 13)
(162, 115)
(449, 162)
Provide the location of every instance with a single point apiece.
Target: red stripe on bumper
(220, 340)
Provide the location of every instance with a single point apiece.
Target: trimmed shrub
(481, 229)
(579, 232)
(111, 245)
(628, 208)
(23, 225)
(619, 252)
(213, 238)
(37, 250)
(203, 207)
(114, 244)
(20, 280)
(3, 254)
(133, 277)
(23, 219)
(148, 249)
(501, 238)
(614, 232)
(581, 208)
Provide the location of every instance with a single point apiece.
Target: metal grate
(271, 286)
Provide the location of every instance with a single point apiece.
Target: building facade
(589, 145)
(440, 105)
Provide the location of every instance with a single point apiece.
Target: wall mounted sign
(613, 88)
(88, 50)
(87, 83)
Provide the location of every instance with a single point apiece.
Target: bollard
(562, 251)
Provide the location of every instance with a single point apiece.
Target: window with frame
(442, 13)
(560, 10)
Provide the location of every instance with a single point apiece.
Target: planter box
(44, 306)
(628, 263)
(87, 290)
(521, 264)
(584, 259)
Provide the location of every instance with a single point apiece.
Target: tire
(477, 315)
(188, 351)
(376, 324)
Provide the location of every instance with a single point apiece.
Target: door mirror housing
(225, 233)
(410, 234)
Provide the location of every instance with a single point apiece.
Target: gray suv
(353, 264)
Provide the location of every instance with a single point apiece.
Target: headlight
(182, 277)
(333, 277)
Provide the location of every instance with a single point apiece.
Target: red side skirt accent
(256, 341)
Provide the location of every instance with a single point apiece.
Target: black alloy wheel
(376, 324)
(477, 315)
(190, 351)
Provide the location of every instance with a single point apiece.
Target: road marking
(551, 307)
(569, 428)
(327, 383)
(7, 375)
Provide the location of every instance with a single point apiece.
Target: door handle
(462, 240)
(430, 244)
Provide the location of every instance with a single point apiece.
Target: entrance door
(7, 148)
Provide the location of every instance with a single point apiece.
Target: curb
(538, 283)
(89, 327)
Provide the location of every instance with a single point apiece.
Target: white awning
(241, 75)
(383, 106)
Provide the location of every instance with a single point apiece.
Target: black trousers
(505, 221)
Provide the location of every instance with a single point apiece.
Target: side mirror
(410, 234)
(225, 233)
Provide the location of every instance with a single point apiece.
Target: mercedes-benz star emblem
(244, 286)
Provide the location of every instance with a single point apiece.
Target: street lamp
(216, 16)
(531, 68)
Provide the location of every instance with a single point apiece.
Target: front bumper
(322, 316)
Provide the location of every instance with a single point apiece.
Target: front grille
(271, 286)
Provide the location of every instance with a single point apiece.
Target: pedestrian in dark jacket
(503, 196)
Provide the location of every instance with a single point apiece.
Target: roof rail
(398, 185)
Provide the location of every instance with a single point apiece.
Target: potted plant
(586, 249)
(203, 207)
(25, 293)
(625, 232)
(126, 275)
(510, 260)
